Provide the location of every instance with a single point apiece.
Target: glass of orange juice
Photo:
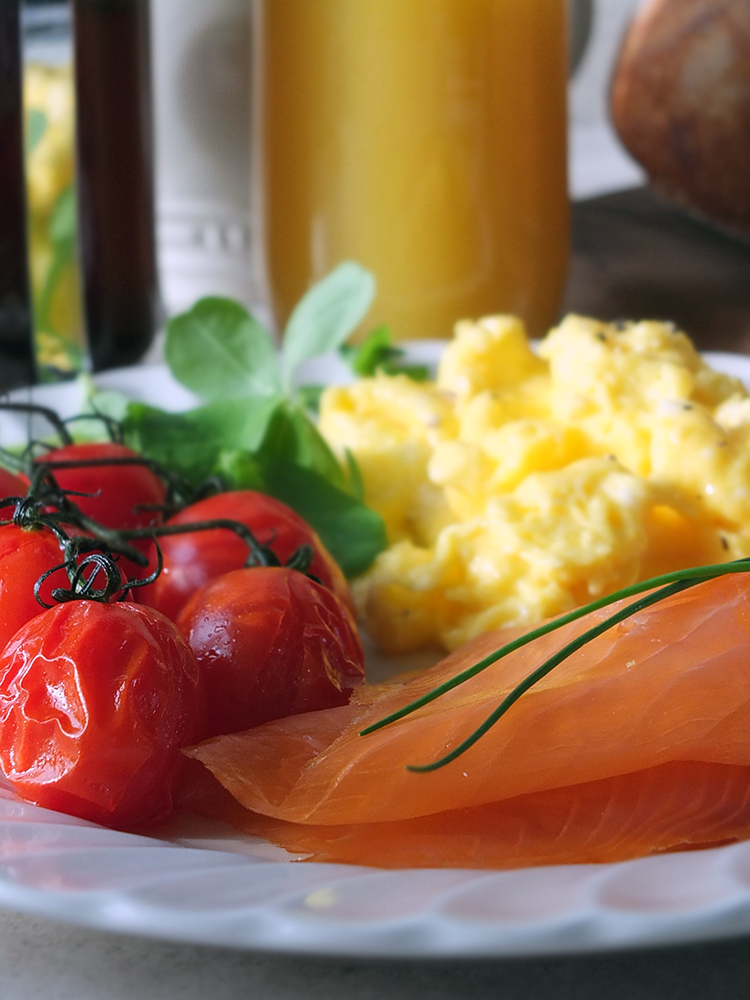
(425, 139)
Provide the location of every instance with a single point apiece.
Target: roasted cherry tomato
(10, 486)
(193, 559)
(120, 493)
(270, 642)
(96, 701)
(25, 555)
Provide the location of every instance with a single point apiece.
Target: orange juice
(425, 139)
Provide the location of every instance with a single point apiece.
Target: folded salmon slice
(675, 806)
(639, 742)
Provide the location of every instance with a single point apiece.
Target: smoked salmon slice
(639, 742)
(671, 807)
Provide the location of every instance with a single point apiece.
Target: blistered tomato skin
(119, 492)
(271, 643)
(10, 486)
(25, 554)
(193, 559)
(96, 701)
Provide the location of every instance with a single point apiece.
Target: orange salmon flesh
(638, 743)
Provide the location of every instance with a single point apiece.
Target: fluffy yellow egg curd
(521, 484)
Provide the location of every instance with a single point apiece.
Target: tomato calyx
(49, 467)
(68, 505)
(300, 560)
(95, 576)
(74, 457)
(258, 554)
(51, 505)
(47, 506)
(83, 575)
(178, 493)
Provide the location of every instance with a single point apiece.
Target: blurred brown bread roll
(681, 103)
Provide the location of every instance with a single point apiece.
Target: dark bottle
(16, 350)
(115, 178)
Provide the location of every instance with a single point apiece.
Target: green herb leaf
(109, 403)
(291, 436)
(240, 470)
(326, 315)
(219, 351)
(377, 354)
(365, 358)
(356, 485)
(190, 442)
(309, 397)
(417, 373)
(351, 532)
(249, 434)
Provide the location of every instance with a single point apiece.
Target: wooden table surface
(637, 257)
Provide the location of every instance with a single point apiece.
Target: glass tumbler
(425, 139)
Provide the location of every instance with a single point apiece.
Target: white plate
(211, 886)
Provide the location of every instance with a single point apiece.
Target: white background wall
(597, 161)
(201, 60)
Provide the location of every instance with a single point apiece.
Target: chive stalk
(662, 586)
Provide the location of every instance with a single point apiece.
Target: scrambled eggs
(519, 485)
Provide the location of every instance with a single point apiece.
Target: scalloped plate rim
(663, 899)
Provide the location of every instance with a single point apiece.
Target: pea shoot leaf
(356, 485)
(309, 397)
(240, 470)
(190, 442)
(291, 435)
(252, 433)
(377, 353)
(219, 351)
(353, 533)
(326, 315)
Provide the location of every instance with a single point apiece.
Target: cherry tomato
(118, 490)
(25, 554)
(270, 642)
(10, 486)
(96, 701)
(193, 559)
